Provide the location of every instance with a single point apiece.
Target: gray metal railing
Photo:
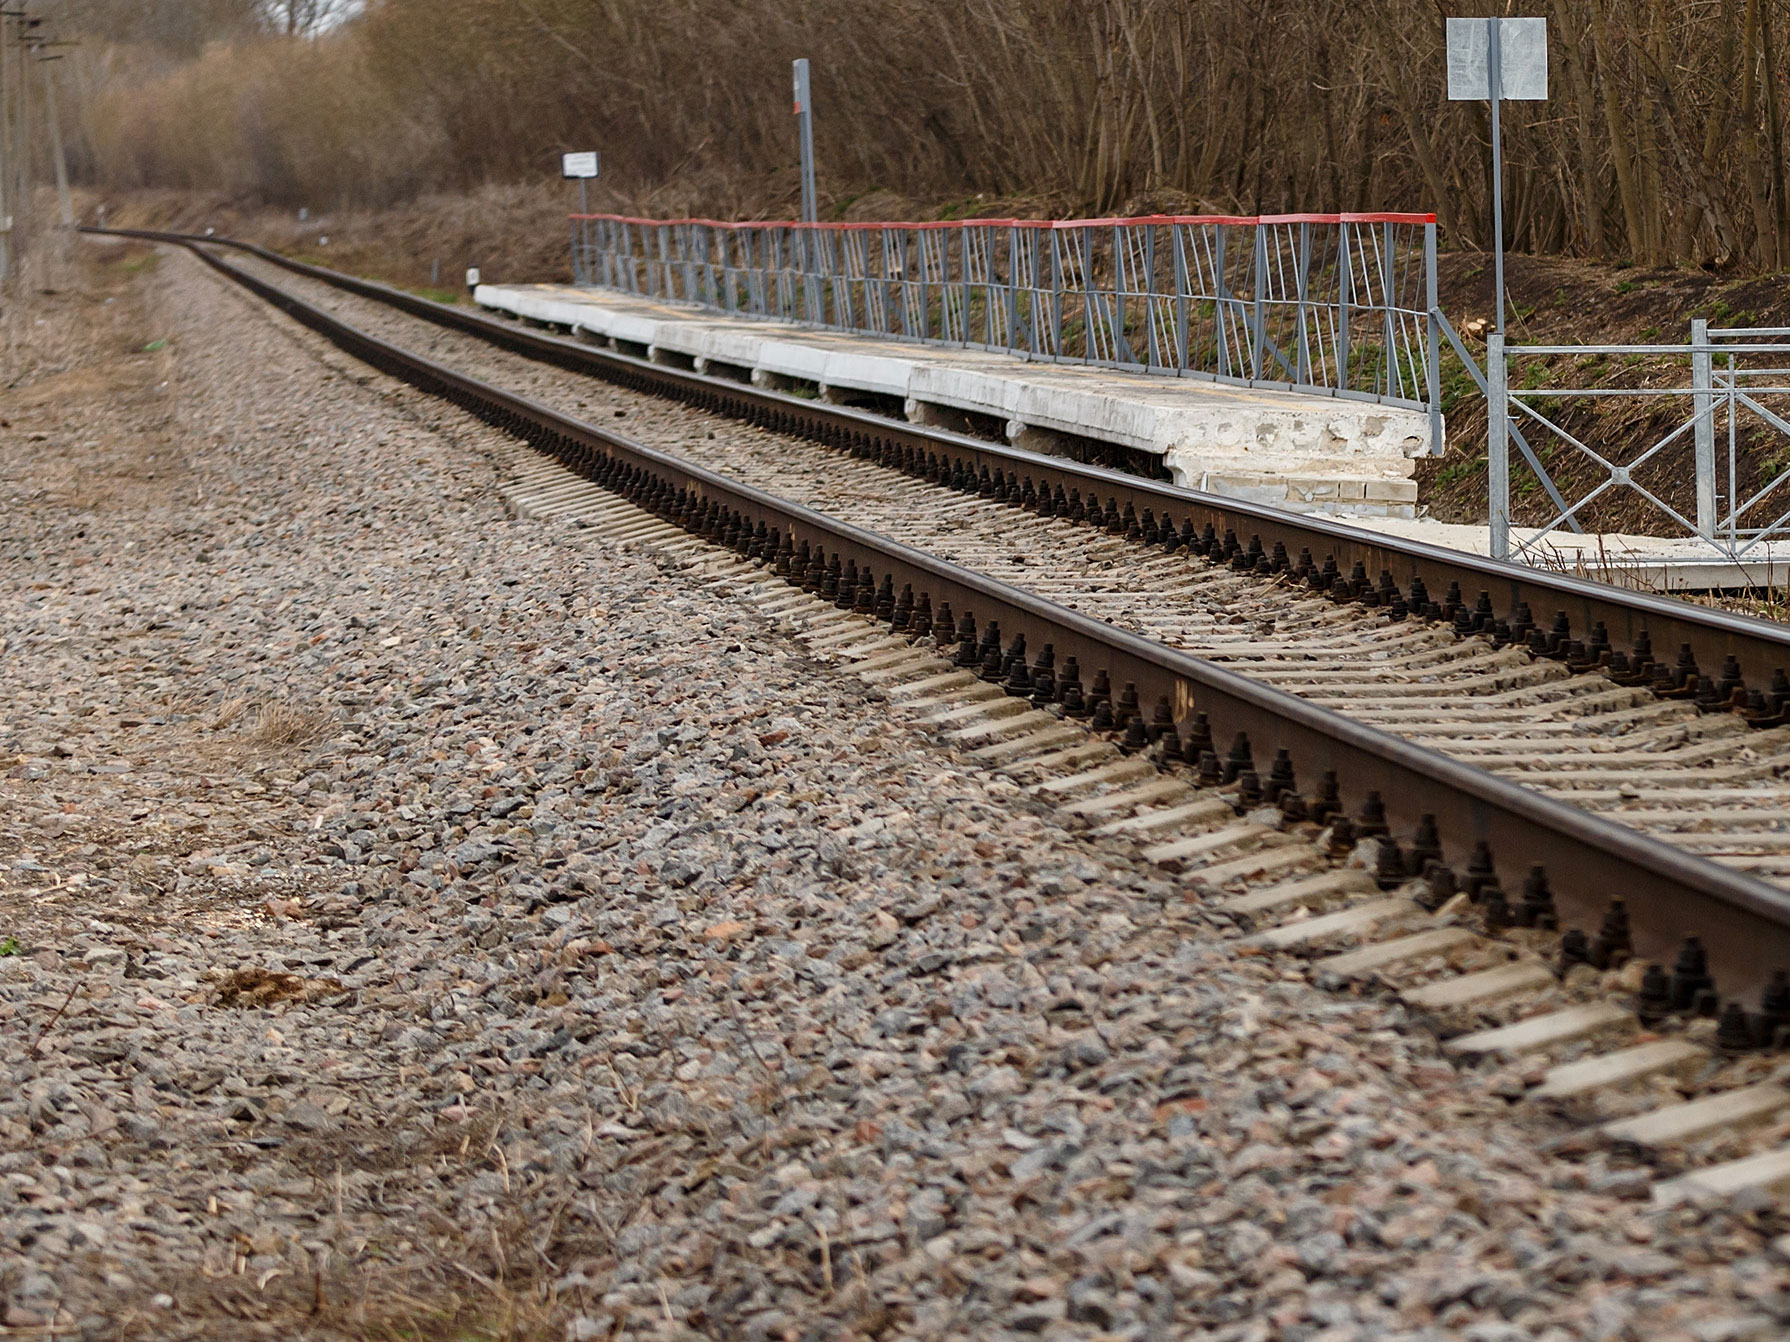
(1343, 305)
(1731, 383)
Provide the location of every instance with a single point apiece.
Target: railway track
(1659, 764)
(1076, 646)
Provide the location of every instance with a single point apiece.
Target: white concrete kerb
(1305, 452)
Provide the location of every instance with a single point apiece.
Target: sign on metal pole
(1522, 59)
(582, 165)
(1507, 58)
(1511, 56)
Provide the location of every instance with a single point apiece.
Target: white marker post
(805, 113)
(808, 254)
(1499, 60)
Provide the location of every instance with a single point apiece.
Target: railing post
(965, 247)
(1703, 387)
(1302, 355)
(1056, 293)
(1119, 253)
(1012, 288)
(1395, 378)
(1220, 313)
(1433, 338)
(1183, 285)
(1258, 323)
(1085, 235)
(1152, 356)
(1345, 293)
(1497, 382)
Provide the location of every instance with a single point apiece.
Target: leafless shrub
(1664, 138)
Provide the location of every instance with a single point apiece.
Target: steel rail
(1759, 647)
(1744, 923)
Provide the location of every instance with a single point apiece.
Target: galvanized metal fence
(1339, 304)
(1725, 396)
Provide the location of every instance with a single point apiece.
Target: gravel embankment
(414, 920)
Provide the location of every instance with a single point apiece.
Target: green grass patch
(10, 946)
(136, 265)
(1457, 471)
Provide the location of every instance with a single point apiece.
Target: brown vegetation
(1663, 140)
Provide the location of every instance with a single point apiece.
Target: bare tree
(180, 26)
(1664, 138)
(305, 18)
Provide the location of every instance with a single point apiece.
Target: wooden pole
(55, 129)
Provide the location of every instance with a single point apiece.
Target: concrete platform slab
(1646, 563)
(1301, 451)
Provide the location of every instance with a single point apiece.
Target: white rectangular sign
(1522, 59)
(578, 165)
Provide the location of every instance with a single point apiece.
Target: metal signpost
(1499, 60)
(805, 114)
(583, 166)
(808, 249)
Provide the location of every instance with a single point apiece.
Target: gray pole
(1703, 386)
(21, 205)
(55, 129)
(805, 112)
(1433, 338)
(1495, 86)
(5, 156)
(1498, 453)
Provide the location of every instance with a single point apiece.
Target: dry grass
(282, 725)
(493, 1279)
(36, 340)
(273, 724)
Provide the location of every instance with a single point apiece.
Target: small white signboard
(578, 165)
(1522, 60)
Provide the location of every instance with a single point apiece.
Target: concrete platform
(1645, 563)
(1306, 453)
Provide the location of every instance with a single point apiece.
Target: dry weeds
(33, 342)
(261, 987)
(282, 725)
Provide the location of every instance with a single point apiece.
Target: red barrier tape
(1239, 219)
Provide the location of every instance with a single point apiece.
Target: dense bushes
(1663, 138)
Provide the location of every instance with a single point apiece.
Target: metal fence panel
(1342, 305)
(1729, 384)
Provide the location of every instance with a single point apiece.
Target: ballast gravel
(415, 920)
